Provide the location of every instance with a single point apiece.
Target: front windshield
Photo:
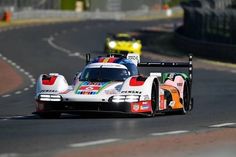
(104, 74)
(123, 38)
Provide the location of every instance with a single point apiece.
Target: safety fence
(18, 5)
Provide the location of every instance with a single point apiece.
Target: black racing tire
(49, 115)
(186, 99)
(154, 100)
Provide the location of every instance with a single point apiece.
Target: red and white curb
(24, 72)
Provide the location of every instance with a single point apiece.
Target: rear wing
(135, 58)
(88, 56)
(188, 65)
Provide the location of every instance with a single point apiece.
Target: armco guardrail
(209, 50)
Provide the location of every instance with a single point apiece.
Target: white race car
(113, 84)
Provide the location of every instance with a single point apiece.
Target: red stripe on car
(135, 82)
(49, 81)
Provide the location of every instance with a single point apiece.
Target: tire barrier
(209, 29)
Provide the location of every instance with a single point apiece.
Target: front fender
(51, 84)
(139, 85)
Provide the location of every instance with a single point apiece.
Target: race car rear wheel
(186, 99)
(154, 100)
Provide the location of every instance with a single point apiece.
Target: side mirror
(76, 77)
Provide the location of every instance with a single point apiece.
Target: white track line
(15, 117)
(26, 89)
(18, 92)
(5, 96)
(51, 43)
(62, 49)
(9, 155)
(222, 125)
(93, 143)
(170, 133)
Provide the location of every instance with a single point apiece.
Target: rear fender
(177, 80)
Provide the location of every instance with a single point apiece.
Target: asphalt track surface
(58, 48)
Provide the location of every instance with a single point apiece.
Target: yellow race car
(122, 43)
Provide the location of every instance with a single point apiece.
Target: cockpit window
(132, 68)
(104, 74)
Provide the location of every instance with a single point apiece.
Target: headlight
(135, 45)
(112, 44)
(118, 99)
(132, 98)
(49, 97)
(127, 98)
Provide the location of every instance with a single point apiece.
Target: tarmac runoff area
(210, 143)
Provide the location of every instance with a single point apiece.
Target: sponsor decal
(131, 92)
(111, 91)
(65, 92)
(51, 91)
(144, 107)
(162, 105)
(133, 57)
(172, 104)
(135, 107)
(179, 84)
(91, 88)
